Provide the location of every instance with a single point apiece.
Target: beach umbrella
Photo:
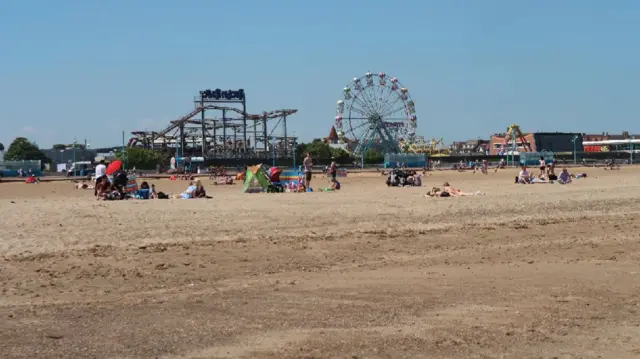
(114, 166)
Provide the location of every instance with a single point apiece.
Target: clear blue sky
(92, 69)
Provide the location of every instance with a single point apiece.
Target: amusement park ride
(510, 140)
(232, 134)
(376, 111)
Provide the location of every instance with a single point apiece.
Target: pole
(273, 145)
(513, 148)
(295, 147)
(575, 150)
(74, 156)
(631, 146)
(123, 153)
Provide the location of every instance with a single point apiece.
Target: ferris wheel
(376, 110)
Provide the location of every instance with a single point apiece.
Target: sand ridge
(537, 271)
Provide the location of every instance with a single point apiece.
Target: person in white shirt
(524, 176)
(101, 172)
(307, 164)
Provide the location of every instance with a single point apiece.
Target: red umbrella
(114, 166)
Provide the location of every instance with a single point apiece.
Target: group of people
(107, 189)
(546, 174)
(331, 170)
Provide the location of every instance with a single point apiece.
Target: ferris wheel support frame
(383, 133)
(395, 105)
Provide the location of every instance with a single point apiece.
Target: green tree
(138, 157)
(1, 147)
(320, 151)
(59, 146)
(341, 156)
(373, 157)
(21, 149)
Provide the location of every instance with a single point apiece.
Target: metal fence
(533, 158)
(15, 168)
(405, 160)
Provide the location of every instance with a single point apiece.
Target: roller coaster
(231, 133)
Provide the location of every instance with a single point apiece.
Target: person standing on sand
(333, 170)
(308, 164)
(101, 172)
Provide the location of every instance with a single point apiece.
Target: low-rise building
(605, 136)
(558, 142)
(469, 147)
(500, 144)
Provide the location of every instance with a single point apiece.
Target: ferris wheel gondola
(376, 110)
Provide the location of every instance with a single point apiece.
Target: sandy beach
(525, 271)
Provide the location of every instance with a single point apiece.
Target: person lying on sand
(82, 185)
(454, 192)
(449, 191)
(437, 192)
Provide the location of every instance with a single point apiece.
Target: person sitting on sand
(524, 177)
(551, 173)
(107, 191)
(565, 177)
(102, 187)
(152, 193)
(200, 191)
(195, 190)
(415, 180)
(335, 185)
(188, 193)
(611, 165)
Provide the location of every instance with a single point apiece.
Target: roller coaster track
(184, 119)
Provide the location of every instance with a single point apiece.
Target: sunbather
(437, 192)
(454, 192)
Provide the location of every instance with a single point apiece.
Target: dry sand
(538, 271)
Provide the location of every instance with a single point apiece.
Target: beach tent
(255, 180)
